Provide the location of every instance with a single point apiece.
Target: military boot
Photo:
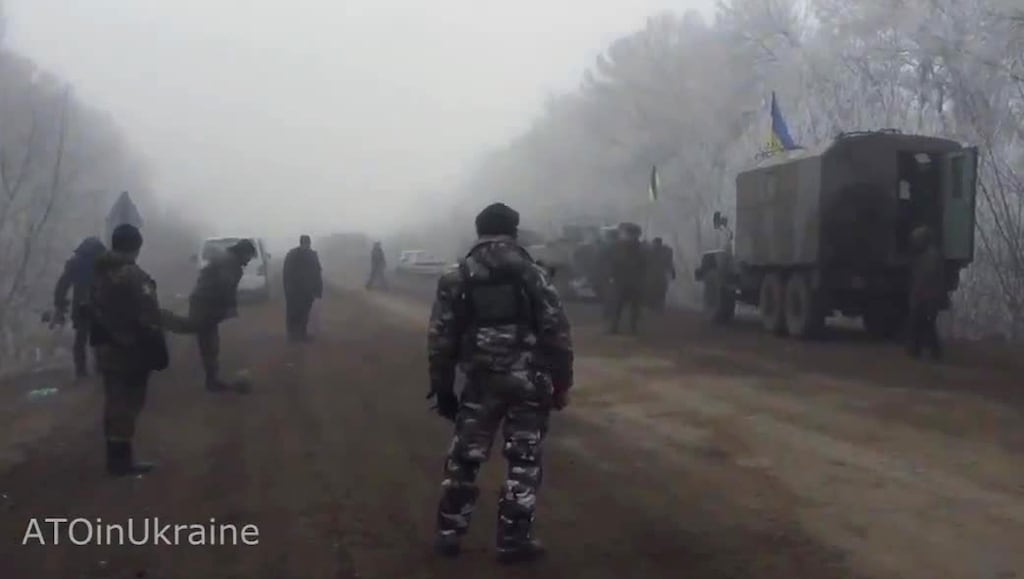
(516, 543)
(121, 461)
(520, 552)
(448, 545)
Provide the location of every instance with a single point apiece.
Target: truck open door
(959, 183)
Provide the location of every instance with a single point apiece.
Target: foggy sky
(318, 115)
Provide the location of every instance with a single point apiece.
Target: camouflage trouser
(522, 408)
(207, 333)
(125, 395)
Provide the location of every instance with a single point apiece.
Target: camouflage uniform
(927, 295)
(213, 300)
(514, 365)
(77, 277)
(129, 345)
(628, 271)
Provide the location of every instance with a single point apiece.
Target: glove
(447, 405)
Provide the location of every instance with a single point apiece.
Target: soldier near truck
(661, 270)
(827, 231)
(927, 294)
(628, 262)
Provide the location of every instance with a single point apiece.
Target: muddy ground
(689, 451)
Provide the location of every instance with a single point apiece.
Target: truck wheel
(719, 300)
(772, 304)
(804, 316)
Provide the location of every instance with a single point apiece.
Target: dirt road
(691, 451)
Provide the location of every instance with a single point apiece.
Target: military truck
(826, 231)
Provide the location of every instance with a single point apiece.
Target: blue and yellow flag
(652, 188)
(780, 139)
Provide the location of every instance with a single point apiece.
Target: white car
(255, 280)
(420, 262)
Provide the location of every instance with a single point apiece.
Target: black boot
(521, 552)
(121, 461)
(516, 543)
(447, 545)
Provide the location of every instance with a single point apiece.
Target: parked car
(255, 282)
(420, 262)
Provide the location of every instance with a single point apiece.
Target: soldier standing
(377, 265)
(214, 300)
(129, 344)
(662, 269)
(77, 276)
(628, 269)
(303, 283)
(500, 320)
(603, 272)
(927, 294)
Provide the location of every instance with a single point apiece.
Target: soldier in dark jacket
(928, 294)
(377, 267)
(661, 269)
(129, 343)
(77, 276)
(628, 270)
(498, 318)
(213, 300)
(303, 283)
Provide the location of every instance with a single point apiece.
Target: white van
(255, 281)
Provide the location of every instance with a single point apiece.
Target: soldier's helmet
(921, 237)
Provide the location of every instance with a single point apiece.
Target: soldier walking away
(628, 266)
(214, 300)
(129, 344)
(77, 276)
(927, 294)
(662, 269)
(499, 319)
(303, 283)
(377, 267)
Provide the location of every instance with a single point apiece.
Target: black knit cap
(126, 238)
(497, 219)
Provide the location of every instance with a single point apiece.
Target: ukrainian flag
(780, 139)
(652, 189)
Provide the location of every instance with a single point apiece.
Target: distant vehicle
(827, 231)
(573, 259)
(255, 281)
(420, 262)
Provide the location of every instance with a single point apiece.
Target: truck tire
(804, 316)
(772, 304)
(719, 300)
